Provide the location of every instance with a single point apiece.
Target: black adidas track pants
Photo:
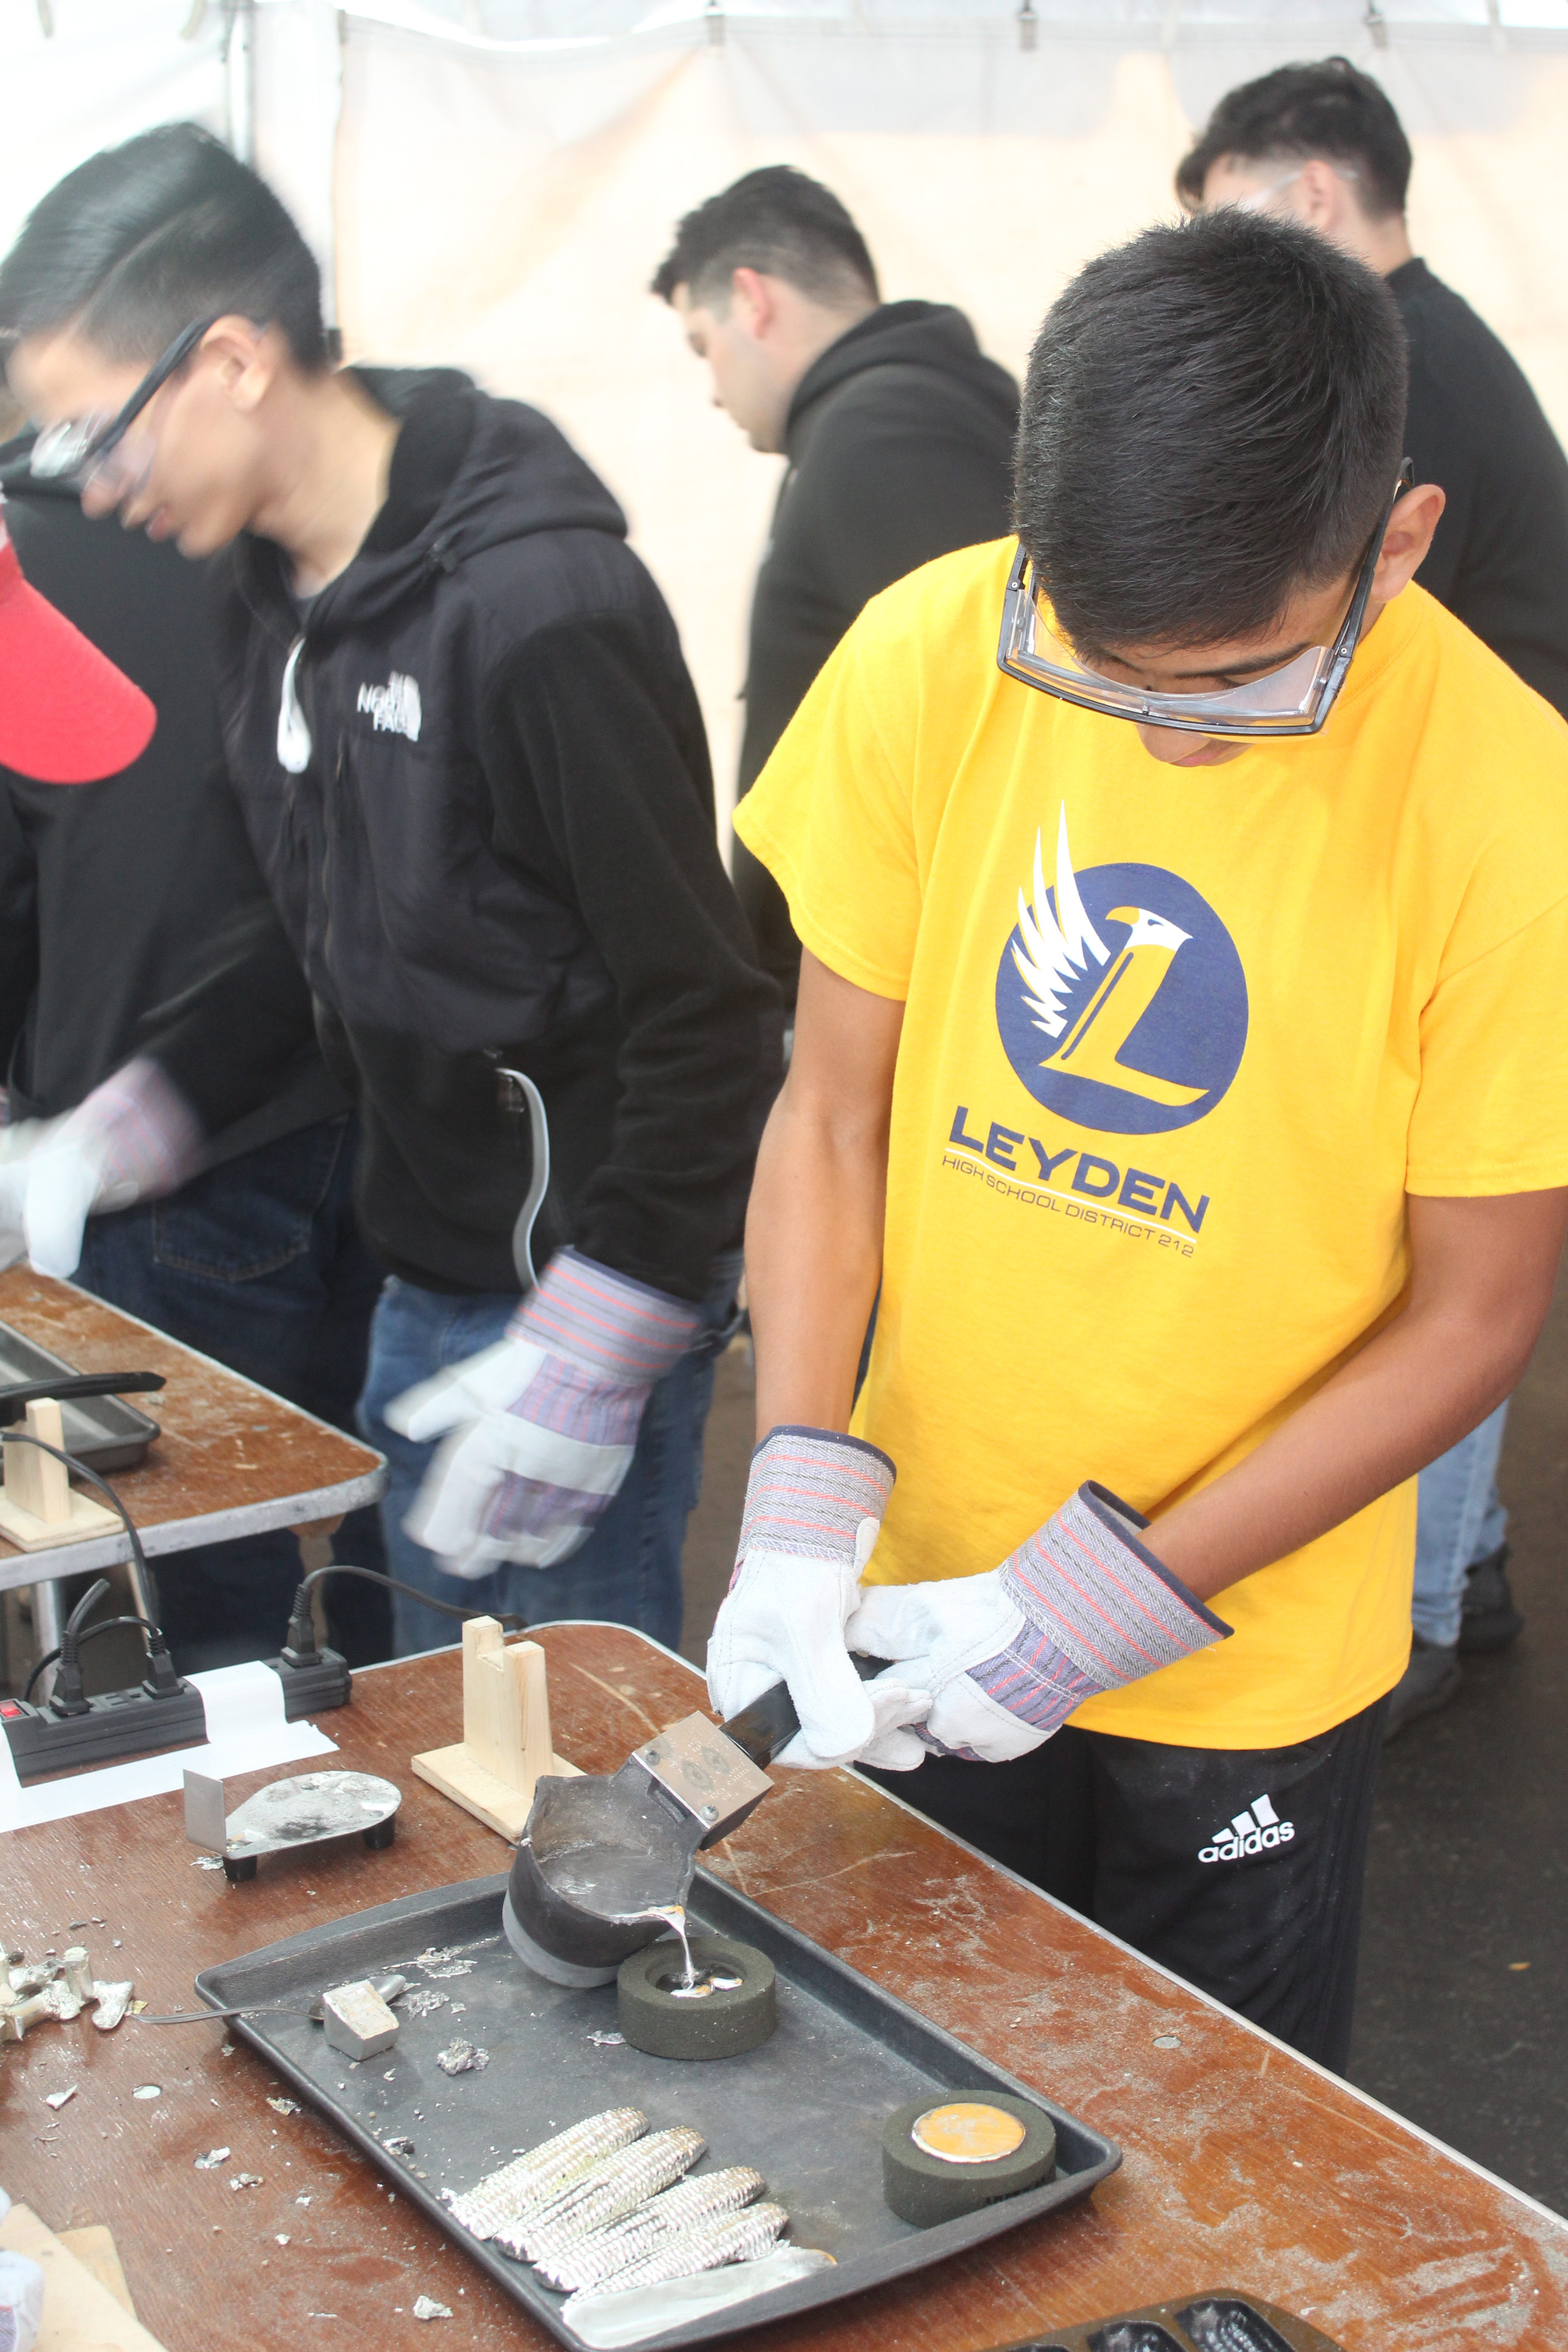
(1239, 1869)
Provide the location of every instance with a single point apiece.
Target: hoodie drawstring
(293, 733)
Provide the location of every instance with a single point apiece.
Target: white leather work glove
(21, 2296)
(133, 1139)
(1082, 1607)
(541, 1429)
(814, 1510)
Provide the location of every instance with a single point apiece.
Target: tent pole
(239, 70)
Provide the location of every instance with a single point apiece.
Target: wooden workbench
(1244, 2166)
(233, 1459)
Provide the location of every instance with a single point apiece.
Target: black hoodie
(474, 772)
(899, 441)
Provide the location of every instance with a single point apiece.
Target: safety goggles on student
(90, 452)
(1293, 699)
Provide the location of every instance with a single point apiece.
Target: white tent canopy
(492, 182)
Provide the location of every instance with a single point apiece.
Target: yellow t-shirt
(1176, 1045)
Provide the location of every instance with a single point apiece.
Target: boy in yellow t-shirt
(1185, 904)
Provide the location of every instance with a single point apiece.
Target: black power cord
(89, 1633)
(299, 1647)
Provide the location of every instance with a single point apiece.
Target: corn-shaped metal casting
(540, 2175)
(732, 2238)
(593, 2260)
(614, 2187)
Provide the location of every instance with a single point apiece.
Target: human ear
(246, 359)
(1318, 197)
(752, 302)
(1409, 536)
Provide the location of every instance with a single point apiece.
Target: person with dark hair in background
(1194, 987)
(1320, 143)
(473, 770)
(898, 433)
(116, 898)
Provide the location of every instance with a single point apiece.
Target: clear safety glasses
(92, 452)
(1293, 699)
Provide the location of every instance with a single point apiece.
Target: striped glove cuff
(1085, 1584)
(621, 1331)
(809, 1493)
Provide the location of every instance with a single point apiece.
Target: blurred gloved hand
(21, 2296)
(133, 1139)
(1082, 1607)
(814, 1510)
(541, 1429)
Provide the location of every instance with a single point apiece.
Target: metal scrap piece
(213, 2158)
(462, 2058)
(112, 2001)
(614, 2187)
(595, 2260)
(528, 2180)
(426, 2307)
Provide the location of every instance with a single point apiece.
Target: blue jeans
(628, 1571)
(1459, 1520)
(259, 1264)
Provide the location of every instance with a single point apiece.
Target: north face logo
(1252, 1831)
(394, 707)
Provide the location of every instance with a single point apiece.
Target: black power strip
(117, 1724)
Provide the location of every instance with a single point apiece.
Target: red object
(67, 714)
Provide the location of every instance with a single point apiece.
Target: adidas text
(395, 706)
(1256, 1830)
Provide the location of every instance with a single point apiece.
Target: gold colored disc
(967, 2133)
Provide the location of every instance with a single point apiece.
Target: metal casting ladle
(607, 1858)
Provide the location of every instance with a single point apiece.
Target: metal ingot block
(358, 2020)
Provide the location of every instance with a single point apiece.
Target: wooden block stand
(38, 1506)
(505, 1747)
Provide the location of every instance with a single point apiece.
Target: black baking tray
(1216, 2319)
(807, 2108)
(103, 1432)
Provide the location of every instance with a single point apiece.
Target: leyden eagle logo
(1120, 998)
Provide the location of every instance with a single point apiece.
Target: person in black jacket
(1322, 142)
(474, 773)
(898, 432)
(115, 896)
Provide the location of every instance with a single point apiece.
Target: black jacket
(900, 442)
(118, 897)
(499, 852)
(1499, 556)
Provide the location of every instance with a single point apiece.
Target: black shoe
(1490, 1621)
(1428, 1682)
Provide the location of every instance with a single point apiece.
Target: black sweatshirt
(1499, 556)
(117, 896)
(496, 849)
(900, 442)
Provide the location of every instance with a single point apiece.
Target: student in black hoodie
(897, 430)
(473, 770)
(115, 896)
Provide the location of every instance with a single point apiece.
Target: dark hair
(1300, 112)
(141, 240)
(777, 221)
(1213, 419)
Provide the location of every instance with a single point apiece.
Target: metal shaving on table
(532, 2180)
(594, 2261)
(729, 2238)
(616, 2187)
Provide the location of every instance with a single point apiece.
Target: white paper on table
(247, 1733)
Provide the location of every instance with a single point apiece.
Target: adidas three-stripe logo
(1254, 1830)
